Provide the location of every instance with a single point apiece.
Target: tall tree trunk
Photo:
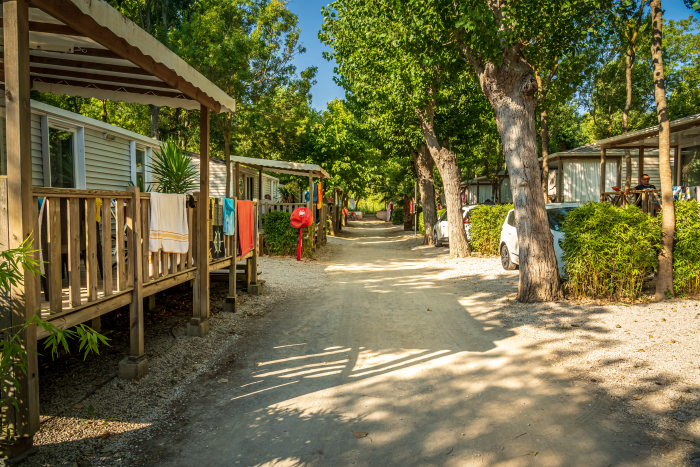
(424, 164)
(625, 113)
(155, 111)
(407, 216)
(446, 162)
(664, 281)
(511, 88)
(545, 155)
(76, 107)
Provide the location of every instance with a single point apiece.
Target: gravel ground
(90, 417)
(646, 354)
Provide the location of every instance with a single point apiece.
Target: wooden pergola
(86, 48)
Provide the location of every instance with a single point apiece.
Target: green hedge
(397, 216)
(281, 238)
(609, 250)
(686, 248)
(486, 222)
(421, 223)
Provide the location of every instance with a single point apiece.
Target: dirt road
(389, 364)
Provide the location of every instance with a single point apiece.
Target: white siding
(581, 182)
(217, 178)
(37, 156)
(107, 163)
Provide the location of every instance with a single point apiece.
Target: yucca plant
(173, 169)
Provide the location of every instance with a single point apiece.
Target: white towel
(169, 229)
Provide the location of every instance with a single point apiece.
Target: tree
(388, 70)
(246, 48)
(664, 281)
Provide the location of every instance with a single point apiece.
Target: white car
(441, 230)
(556, 213)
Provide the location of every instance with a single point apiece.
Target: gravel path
(89, 417)
(596, 378)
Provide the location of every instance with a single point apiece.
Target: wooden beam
(201, 304)
(640, 167)
(20, 204)
(52, 28)
(69, 63)
(602, 173)
(58, 73)
(108, 87)
(560, 179)
(67, 12)
(618, 180)
(136, 323)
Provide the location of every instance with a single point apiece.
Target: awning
(682, 130)
(87, 48)
(290, 168)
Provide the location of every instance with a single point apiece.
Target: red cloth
(246, 239)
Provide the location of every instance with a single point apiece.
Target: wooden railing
(648, 201)
(100, 258)
(69, 233)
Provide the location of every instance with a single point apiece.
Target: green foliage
(397, 216)
(13, 354)
(281, 238)
(609, 250)
(486, 222)
(686, 248)
(173, 169)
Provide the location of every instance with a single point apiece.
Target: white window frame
(78, 149)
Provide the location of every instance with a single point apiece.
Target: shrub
(280, 237)
(421, 223)
(686, 248)
(609, 250)
(486, 222)
(397, 216)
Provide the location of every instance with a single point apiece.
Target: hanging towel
(216, 228)
(229, 221)
(245, 227)
(315, 193)
(169, 230)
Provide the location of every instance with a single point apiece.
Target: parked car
(556, 213)
(441, 231)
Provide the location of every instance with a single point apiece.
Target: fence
(646, 200)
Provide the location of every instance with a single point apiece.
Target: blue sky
(325, 90)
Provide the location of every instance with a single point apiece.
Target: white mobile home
(73, 151)
(248, 180)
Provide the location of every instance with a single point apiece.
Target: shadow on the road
(477, 400)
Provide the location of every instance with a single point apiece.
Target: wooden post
(25, 419)
(253, 285)
(135, 366)
(313, 210)
(560, 180)
(237, 181)
(602, 173)
(230, 301)
(477, 194)
(618, 180)
(641, 165)
(199, 325)
(676, 168)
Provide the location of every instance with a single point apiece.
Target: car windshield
(556, 217)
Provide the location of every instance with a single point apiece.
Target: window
(141, 169)
(690, 166)
(62, 158)
(511, 219)
(557, 216)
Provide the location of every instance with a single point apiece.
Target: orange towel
(246, 238)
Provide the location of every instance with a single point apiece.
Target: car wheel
(507, 264)
(436, 240)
